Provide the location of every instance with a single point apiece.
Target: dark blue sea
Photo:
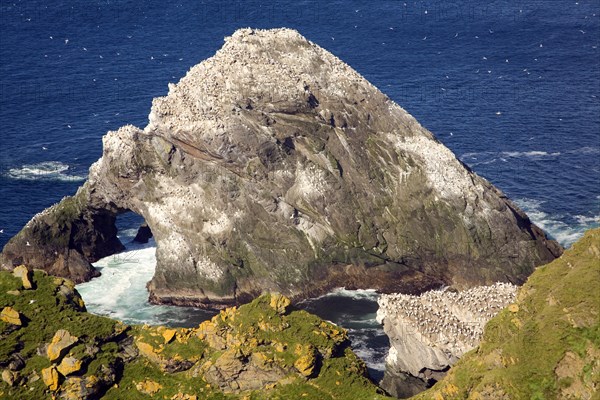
(512, 87)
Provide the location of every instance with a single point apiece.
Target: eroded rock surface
(274, 166)
(430, 332)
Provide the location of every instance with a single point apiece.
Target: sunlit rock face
(274, 166)
(430, 332)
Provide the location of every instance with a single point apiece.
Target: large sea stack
(274, 166)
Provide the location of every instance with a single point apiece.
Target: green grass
(559, 313)
(282, 338)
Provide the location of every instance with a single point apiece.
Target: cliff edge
(546, 345)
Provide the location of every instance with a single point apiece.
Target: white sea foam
(367, 294)
(564, 233)
(44, 171)
(373, 357)
(534, 153)
(122, 287)
(121, 292)
(586, 150)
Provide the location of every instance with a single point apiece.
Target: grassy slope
(255, 327)
(547, 346)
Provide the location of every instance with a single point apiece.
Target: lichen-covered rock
(305, 364)
(50, 377)
(61, 342)
(275, 167)
(11, 316)
(148, 387)
(69, 365)
(22, 272)
(279, 303)
(230, 356)
(9, 377)
(168, 335)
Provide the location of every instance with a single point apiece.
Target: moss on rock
(262, 350)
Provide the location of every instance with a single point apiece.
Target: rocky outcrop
(274, 166)
(430, 332)
(262, 350)
(143, 234)
(546, 344)
(65, 238)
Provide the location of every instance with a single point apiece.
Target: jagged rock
(50, 377)
(9, 377)
(77, 388)
(69, 365)
(64, 239)
(22, 272)
(11, 316)
(279, 303)
(143, 234)
(274, 166)
(66, 288)
(234, 373)
(305, 364)
(168, 335)
(61, 342)
(402, 385)
(430, 332)
(149, 352)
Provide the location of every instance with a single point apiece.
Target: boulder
(11, 316)
(143, 234)
(61, 342)
(69, 365)
(148, 387)
(9, 377)
(23, 273)
(50, 377)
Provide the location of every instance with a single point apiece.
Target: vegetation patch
(546, 345)
(262, 350)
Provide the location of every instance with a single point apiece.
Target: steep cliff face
(275, 166)
(430, 332)
(546, 345)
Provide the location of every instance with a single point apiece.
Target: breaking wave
(490, 157)
(44, 171)
(120, 292)
(363, 294)
(565, 233)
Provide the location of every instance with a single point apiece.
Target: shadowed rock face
(275, 166)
